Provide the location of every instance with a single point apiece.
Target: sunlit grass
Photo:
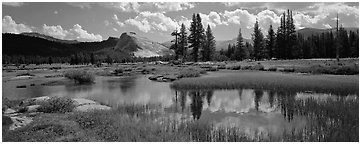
(273, 81)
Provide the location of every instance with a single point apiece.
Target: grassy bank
(273, 81)
(143, 124)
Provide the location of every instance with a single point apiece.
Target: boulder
(155, 77)
(9, 111)
(32, 108)
(19, 122)
(34, 101)
(87, 108)
(170, 78)
(82, 101)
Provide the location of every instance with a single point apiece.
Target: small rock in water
(21, 86)
(86, 108)
(33, 108)
(9, 111)
(155, 77)
(81, 101)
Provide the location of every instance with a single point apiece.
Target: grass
(273, 81)
(334, 69)
(136, 123)
(80, 76)
(190, 72)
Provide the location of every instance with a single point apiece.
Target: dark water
(258, 112)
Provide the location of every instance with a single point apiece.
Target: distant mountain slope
(141, 46)
(224, 44)
(307, 32)
(34, 34)
(34, 44)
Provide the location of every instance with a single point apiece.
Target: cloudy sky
(98, 21)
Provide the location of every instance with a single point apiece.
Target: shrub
(272, 69)
(258, 67)
(57, 105)
(288, 70)
(235, 67)
(118, 70)
(246, 67)
(190, 72)
(80, 76)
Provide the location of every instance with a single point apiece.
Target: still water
(257, 112)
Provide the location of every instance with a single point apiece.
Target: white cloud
(55, 31)
(75, 33)
(14, 4)
(173, 6)
(240, 16)
(328, 8)
(83, 35)
(115, 29)
(147, 21)
(212, 19)
(56, 12)
(148, 6)
(115, 18)
(122, 6)
(10, 26)
(328, 26)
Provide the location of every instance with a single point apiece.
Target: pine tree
(344, 42)
(258, 44)
(270, 46)
(50, 60)
(196, 36)
(92, 58)
(175, 46)
(354, 44)
(291, 37)
(209, 45)
(239, 48)
(183, 43)
(280, 39)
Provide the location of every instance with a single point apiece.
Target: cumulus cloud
(77, 32)
(212, 19)
(55, 31)
(148, 6)
(147, 21)
(239, 16)
(14, 4)
(10, 26)
(173, 6)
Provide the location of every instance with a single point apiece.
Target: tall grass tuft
(80, 76)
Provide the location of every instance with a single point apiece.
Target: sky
(87, 21)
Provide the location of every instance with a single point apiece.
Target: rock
(19, 122)
(21, 86)
(32, 108)
(155, 77)
(34, 101)
(170, 77)
(9, 111)
(86, 108)
(82, 101)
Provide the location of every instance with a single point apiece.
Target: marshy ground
(309, 100)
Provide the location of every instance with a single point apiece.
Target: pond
(260, 113)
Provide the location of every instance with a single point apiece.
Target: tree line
(285, 43)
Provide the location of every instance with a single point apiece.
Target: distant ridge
(307, 32)
(50, 38)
